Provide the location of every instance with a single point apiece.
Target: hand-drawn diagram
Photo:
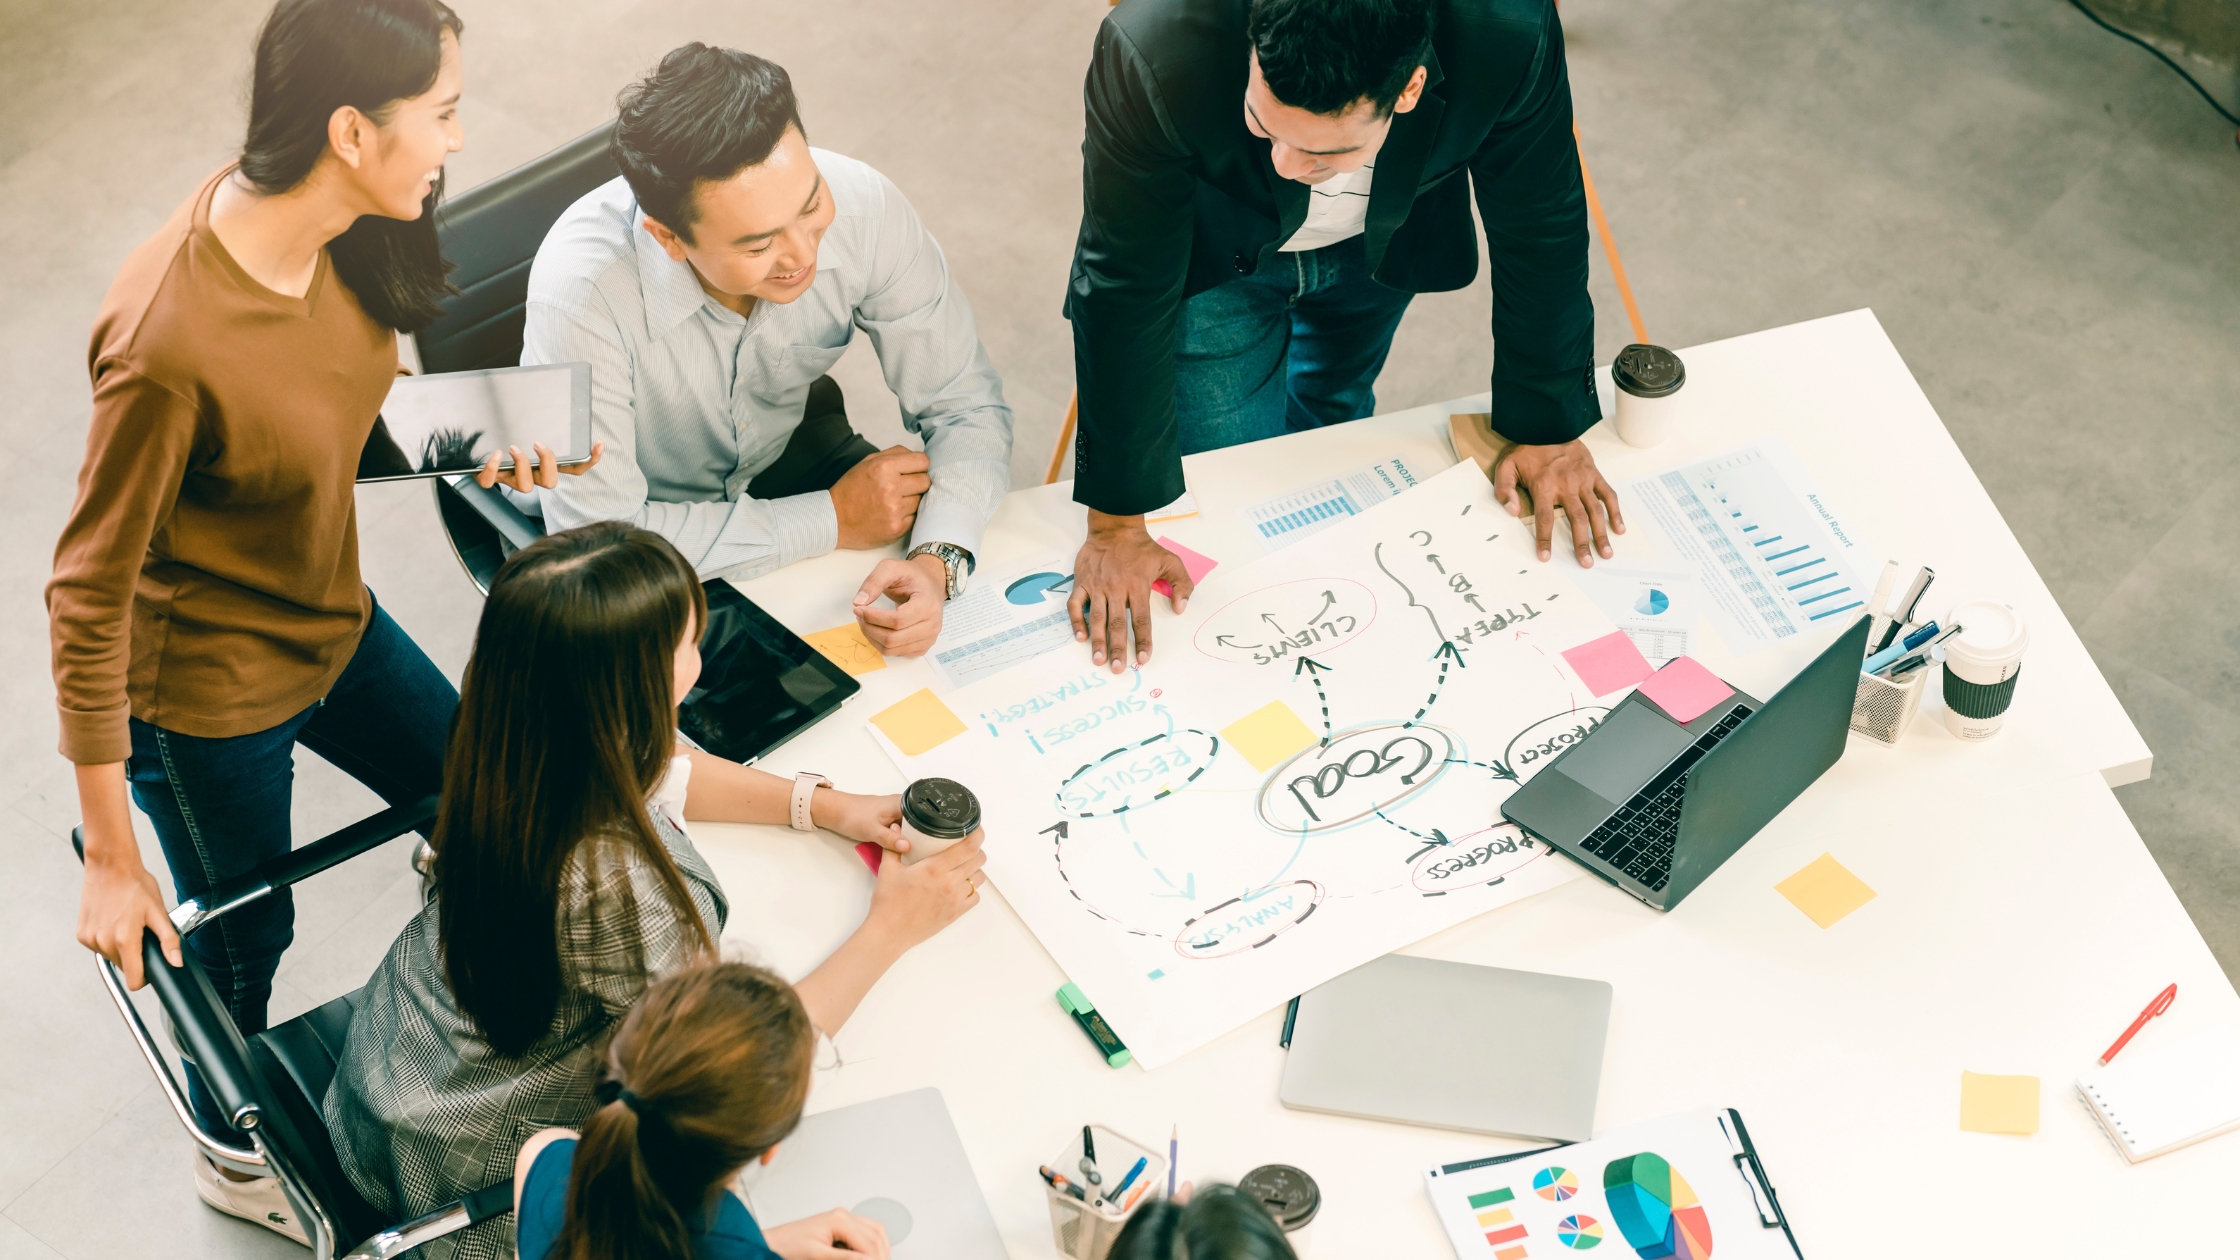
(1317, 783)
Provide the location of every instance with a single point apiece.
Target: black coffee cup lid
(943, 809)
(1289, 1195)
(1648, 371)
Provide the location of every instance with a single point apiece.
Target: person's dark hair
(313, 58)
(703, 114)
(566, 723)
(1217, 1224)
(1324, 56)
(709, 1070)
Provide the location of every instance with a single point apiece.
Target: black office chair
(271, 1085)
(492, 232)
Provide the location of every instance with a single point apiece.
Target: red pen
(2160, 1004)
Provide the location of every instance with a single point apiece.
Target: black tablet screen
(760, 684)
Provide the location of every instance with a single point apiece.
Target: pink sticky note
(1195, 565)
(1609, 663)
(1684, 689)
(871, 854)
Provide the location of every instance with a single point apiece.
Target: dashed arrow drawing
(1314, 670)
(1448, 654)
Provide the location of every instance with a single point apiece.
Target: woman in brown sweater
(206, 609)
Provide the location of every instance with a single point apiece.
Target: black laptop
(1655, 806)
(760, 683)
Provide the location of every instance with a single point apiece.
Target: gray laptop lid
(897, 1160)
(1408, 1039)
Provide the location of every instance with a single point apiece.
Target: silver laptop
(897, 1160)
(1452, 1046)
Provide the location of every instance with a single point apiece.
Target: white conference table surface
(2019, 925)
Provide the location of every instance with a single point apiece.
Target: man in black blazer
(1265, 183)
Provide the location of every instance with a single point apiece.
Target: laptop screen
(1630, 747)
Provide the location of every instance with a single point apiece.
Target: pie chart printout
(1035, 587)
(1655, 1209)
(1652, 602)
(1555, 1184)
(1579, 1232)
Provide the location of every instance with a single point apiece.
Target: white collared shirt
(693, 400)
(1337, 208)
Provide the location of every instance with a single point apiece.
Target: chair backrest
(491, 233)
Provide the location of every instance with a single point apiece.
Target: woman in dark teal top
(706, 1075)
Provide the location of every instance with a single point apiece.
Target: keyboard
(1639, 838)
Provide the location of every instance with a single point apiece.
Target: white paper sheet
(1413, 654)
(1003, 619)
(1774, 557)
(1657, 609)
(1287, 518)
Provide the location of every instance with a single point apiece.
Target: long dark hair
(1219, 1223)
(566, 722)
(313, 58)
(707, 1072)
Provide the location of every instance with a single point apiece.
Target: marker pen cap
(1649, 379)
(1982, 664)
(937, 813)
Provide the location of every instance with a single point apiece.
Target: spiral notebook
(2169, 1097)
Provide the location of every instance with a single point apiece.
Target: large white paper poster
(1308, 775)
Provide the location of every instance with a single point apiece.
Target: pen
(1134, 1171)
(1174, 1140)
(1290, 1017)
(1876, 606)
(1906, 604)
(1131, 1203)
(1061, 1185)
(2160, 1004)
(1920, 656)
(1875, 662)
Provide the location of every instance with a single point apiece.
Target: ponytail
(708, 1071)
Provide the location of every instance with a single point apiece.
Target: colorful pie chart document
(1687, 1187)
(1003, 619)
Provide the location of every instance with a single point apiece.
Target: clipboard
(1742, 1152)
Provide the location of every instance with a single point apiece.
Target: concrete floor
(2041, 216)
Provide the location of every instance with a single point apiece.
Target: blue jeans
(1296, 346)
(220, 806)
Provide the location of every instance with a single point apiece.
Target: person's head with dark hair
(360, 99)
(713, 147)
(1215, 1223)
(1327, 77)
(566, 723)
(707, 1074)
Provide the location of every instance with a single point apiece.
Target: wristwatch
(956, 560)
(805, 785)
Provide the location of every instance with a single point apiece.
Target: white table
(2020, 922)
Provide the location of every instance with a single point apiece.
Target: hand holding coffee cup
(1648, 379)
(1982, 663)
(937, 813)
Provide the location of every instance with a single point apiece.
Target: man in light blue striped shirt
(710, 289)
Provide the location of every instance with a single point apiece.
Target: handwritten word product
(2173, 1095)
(1687, 1187)
(1308, 776)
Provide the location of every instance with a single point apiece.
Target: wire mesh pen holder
(1083, 1230)
(1883, 710)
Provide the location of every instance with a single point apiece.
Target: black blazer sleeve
(1533, 201)
(1126, 290)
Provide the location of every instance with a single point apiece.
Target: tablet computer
(760, 683)
(450, 422)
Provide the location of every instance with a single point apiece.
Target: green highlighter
(1108, 1042)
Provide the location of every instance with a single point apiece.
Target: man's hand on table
(917, 588)
(1112, 579)
(1561, 477)
(877, 500)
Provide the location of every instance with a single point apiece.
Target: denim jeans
(221, 806)
(1295, 346)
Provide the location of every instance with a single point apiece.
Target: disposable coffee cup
(1648, 380)
(1982, 663)
(937, 813)
(1290, 1196)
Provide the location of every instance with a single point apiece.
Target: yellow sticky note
(918, 723)
(1998, 1104)
(1268, 735)
(1825, 891)
(846, 647)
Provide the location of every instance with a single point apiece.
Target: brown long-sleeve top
(207, 581)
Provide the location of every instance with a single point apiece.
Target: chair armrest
(490, 1201)
(297, 865)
